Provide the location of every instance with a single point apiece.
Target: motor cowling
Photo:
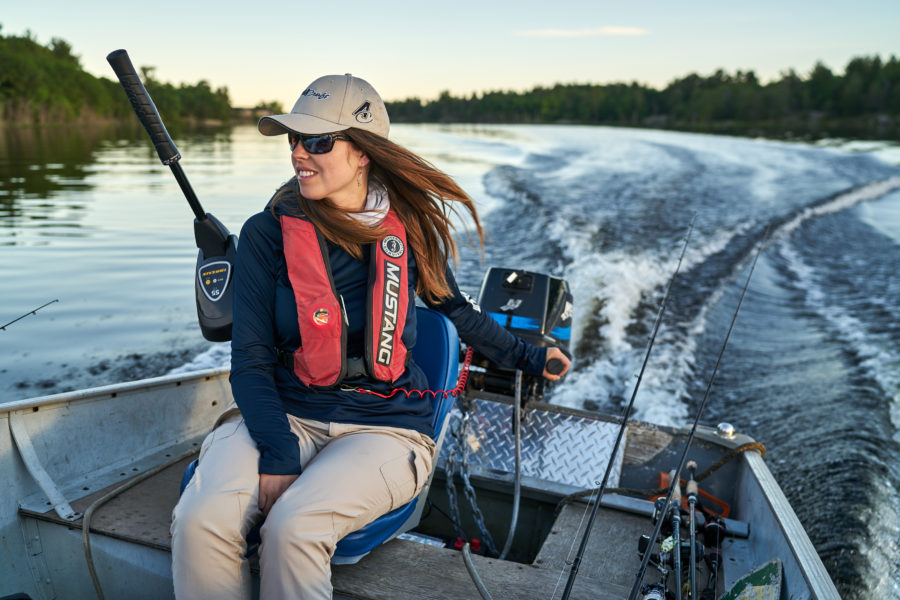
(534, 306)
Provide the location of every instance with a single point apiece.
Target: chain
(459, 434)
(449, 469)
(470, 491)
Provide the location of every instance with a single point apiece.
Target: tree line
(46, 83)
(864, 101)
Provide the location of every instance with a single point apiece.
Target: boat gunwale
(813, 570)
(111, 389)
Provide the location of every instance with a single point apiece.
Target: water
(812, 369)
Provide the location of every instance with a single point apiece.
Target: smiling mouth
(301, 174)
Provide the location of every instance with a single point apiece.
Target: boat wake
(811, 370)
(217, 356)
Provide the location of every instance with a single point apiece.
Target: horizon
(421, 51)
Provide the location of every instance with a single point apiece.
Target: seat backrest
(437, 354)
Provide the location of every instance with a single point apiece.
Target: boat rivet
(725, 430)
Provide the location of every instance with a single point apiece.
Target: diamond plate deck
(556, 447)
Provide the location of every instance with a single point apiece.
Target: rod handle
(676, 492)
(691, 489)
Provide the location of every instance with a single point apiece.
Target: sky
(270, 51)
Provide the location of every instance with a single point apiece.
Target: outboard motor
(535, 307)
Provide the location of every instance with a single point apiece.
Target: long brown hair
(422, 196)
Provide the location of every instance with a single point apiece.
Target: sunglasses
(321, 143)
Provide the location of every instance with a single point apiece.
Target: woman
(335, 260)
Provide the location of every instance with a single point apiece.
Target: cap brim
(294, 123)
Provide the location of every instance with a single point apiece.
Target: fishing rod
(30, 312)
(673, 484)
(662, 308)
(691, 489)
(218, 247)
(675, 516)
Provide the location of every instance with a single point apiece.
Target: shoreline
(793, 131)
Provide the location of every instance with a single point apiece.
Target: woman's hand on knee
(270, 489)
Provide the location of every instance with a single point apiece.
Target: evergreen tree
(46, 84)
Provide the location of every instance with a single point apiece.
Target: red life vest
(321, 360)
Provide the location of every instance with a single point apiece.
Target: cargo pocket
(402, 479)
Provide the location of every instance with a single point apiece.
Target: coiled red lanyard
(460, 386)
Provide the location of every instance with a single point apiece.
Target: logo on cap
(315, 94)
(363, 114)
(321, 317)
(392, 246)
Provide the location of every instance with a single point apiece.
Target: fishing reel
(655, 591)
(537, 308)
(713, 534)
(661, 511)
(665, 558)
(661, 561)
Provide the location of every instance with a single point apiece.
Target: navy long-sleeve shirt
(265, 318)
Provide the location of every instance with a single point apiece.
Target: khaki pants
(351, 475)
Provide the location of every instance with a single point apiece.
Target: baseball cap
(332, 103)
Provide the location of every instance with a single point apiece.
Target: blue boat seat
(437, 353)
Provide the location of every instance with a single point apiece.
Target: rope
(89, 513)
(757, 446)
(517, 482)
(470, 567)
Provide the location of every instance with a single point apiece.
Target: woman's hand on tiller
(556, 354)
